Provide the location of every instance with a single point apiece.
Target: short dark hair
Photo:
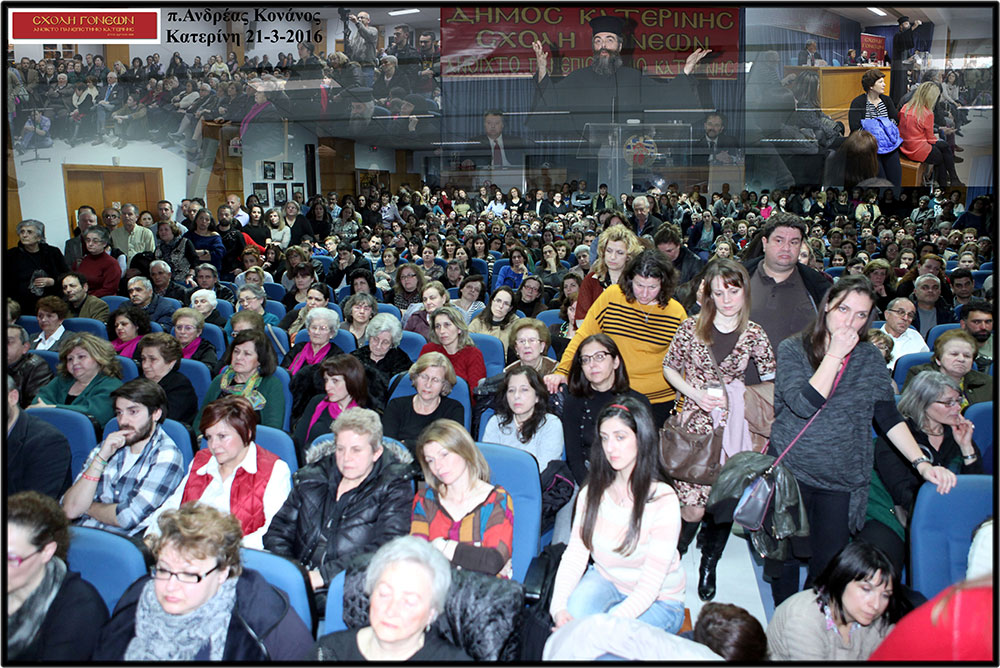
(869, 78)
(53, 304)
(857, 561)
(143, 391)
(236, 411)
(731, 632)
(136, 314)
(74, 274)
(980, 305)
(353, 372)
(365, 274)
(960, 272)
(668, 234)
(783, 219)
(42, 518)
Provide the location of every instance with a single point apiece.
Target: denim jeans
(594, 595)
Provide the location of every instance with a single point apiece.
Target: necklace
(645, 313)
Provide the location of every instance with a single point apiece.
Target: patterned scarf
(307, 356)
(247, 390)
(191, 348)
(160, 636)
(23, 625)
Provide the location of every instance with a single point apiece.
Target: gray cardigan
(836, 452)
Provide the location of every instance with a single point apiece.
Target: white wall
(384, 159)
(297, 139)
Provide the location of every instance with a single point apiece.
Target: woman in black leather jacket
(352, 497)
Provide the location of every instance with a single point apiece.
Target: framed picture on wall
(367, 178)
(287, 171)
(299, 189)
(260, 190)
(280, 193)
(269, 173)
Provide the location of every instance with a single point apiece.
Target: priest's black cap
(902, 19)
(612, 24)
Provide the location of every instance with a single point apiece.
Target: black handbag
(756, 499)
(693, 458)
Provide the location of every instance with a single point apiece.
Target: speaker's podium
(635, 153)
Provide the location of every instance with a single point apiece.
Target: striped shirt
(643, 334)
(875, 110)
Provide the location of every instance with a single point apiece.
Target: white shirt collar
(249, 464)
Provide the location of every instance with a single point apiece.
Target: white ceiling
(940, 16)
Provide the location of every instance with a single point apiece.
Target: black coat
(308, 382)
(38, 458)
(71, 625)
(20, 266)
(182, 402)
(379, 374)
(263, 626)
(206, 352)
(320, 533)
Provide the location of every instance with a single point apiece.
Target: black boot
(716, 536)
(688, 530)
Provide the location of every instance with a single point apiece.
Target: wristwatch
(920, 460)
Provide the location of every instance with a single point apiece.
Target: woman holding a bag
(706, 363)
(829, 387)
(875, 112)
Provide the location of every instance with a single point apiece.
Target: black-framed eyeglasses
(902, 314)
(160, 573)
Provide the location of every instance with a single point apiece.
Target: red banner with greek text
(487, 41)
(874, 45)
(68, 26)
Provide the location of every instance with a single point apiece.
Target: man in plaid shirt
(133, 471)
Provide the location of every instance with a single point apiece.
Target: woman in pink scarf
(126, 326)
(344, 386)
(304, 358)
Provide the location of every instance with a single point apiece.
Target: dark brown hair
(353, 372)
(579, 386)
(235, 411)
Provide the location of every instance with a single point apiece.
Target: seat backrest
(343, 293)
(275, 307)
(225, 309)
(177, 432)
(130, 370)
(286, 384)
(279, 443)
(324, 260)
(981, 415)
(199, 375)
(517, 472)
(392, 309)
(938, 330)
(109, 561)
(411, 344)
(89, 325)
(345, 340)
(287, 576)
(941, 531)
(950, 264)
(836, 272)
(979, 277)
(479, 266)
(986, 266)
(492, 350)
(484, 419)
(155, 327)
(282, 336)
(905, 363)
(216, 337)
(76, 427)
(172, 303)
(460, 393)
(453, 293)
(274, 290)
(550, 317)
(30, 324)
(114, 301)
(498, 264)
(51, 358)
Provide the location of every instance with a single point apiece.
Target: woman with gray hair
(175, 249)
(931, 404)
(382, 357)
(304, 358)
(407, 583)
(33, 266)
(204, 302)
(252, 298)
(359, 309)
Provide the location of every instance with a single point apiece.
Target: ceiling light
(876, 11)
(400, 12)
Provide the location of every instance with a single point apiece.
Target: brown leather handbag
(693, 458)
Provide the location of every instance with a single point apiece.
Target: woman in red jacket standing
(916, 128)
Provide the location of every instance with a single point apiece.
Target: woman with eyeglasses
(304, 357)
(409, 286)
(252, 298)
(53, 615)
(530, 298)
(199, 603)
(433, 378)
(498, 317)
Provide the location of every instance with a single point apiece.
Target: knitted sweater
(643, 335)
(798, 632)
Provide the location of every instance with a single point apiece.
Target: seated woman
(344, 387)
(382, 357)
(560, 334)
(52, 614)
(522, 419)
(512, 274)
(433, 378)
(318, 295)
(129, 323)
(627, 519)
(50, 311)
(409, 286)
(204, 302)
(232, 473)
(254, 275)
(954, 354)
(465, 517)
(417, 318)
(531, 340)
(248, 371)
(159, 357)
(496, 319)
(470, 292)
(530, 297)
(931, 404)
(303, 359)
(359, 309)
(87, 374)
(432, 270)
(450, 335)
(352, 497)
(199, 603)
(253, 298)
(407, 583)
(188, 327)
(845, 615)
(302, 276)
(920, 142)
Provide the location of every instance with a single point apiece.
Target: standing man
(902, 45)
(406, 55)
(905, 340)
(134, 470)
(428, 65)
(86, 216)
(931, 309)
(232, 240)
(130, 237)
(362, 46)
(582, 200)
(603, 200)
(81, 303)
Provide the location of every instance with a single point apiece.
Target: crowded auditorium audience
(194, 333)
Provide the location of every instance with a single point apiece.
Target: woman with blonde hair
(433, 377)
(883, 279)
(920, 142)
(87, 374)
(449, 335)
(457, 509)
(281, 233)
(616, 247)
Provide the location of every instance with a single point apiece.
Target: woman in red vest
(233, 474)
